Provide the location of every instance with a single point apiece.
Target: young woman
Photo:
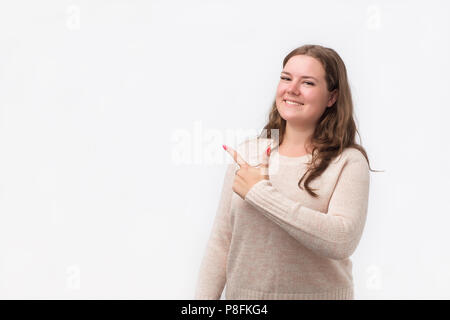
(289, 233)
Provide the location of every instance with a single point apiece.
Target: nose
(293, 89)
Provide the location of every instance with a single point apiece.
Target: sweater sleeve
(212, 273)
(334, 234)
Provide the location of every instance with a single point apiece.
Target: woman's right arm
(212, 274)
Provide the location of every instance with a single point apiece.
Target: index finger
(237, 158)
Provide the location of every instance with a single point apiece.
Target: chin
(286, 115)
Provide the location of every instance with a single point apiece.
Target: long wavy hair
(336, 128)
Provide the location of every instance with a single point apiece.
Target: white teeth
(291, 102)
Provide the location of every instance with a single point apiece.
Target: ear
(333, 97)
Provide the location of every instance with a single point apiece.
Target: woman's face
(303, 81)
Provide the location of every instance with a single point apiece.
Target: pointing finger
(236, 157)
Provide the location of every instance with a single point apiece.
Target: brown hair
(336, 129)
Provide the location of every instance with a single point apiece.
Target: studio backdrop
(113, 115)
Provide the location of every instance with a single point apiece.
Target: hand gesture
(247, 176)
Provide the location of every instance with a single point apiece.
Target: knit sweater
(280, 242)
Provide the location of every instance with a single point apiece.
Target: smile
(293, 102)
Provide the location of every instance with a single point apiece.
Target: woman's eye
(307, 82)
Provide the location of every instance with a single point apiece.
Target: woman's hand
(247, 176)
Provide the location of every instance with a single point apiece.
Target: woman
(289, 233)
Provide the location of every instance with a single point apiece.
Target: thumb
(265, 162)
(266, 156)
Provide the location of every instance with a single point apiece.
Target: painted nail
(268, 151)
(224, 147)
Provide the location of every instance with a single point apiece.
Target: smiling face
(302, 94)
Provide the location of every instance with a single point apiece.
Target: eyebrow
(301, 77)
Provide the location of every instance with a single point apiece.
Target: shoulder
(353, 154)
(352, 159)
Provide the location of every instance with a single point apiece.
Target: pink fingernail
(268, 151)
(224, 147)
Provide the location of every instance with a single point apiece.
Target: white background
(94, 95)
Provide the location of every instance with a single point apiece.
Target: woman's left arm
(334, 234)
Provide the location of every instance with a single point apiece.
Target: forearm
(334, 234)
(212, 273)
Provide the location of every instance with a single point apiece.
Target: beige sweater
(280, 242)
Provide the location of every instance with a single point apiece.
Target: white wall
(93, 203)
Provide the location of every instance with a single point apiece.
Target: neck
(297, 138)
